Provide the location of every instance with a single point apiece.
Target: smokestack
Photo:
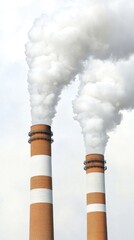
(41, 203)
(96, 206)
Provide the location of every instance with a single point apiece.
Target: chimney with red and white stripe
(41, 202)
(96, 205)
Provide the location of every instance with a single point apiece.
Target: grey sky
(16, 18)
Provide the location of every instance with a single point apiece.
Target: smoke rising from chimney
(55, 54)
(57, 51)
(106, 88)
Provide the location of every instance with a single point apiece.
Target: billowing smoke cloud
(59, 45)
(63, 45)
(55, 53)
(106, 88)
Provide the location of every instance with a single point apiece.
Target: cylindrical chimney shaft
(41, 203)
(96, 206)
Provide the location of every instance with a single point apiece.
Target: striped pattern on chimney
(41, 203)
(96, 208)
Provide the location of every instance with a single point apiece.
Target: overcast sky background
(16, 18)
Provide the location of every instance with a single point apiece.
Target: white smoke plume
(58, 46)
(106, 88)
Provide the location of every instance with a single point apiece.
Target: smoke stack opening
(40, 132)
(95, 161)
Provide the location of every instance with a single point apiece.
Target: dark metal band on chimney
(95, 164)
(33, 135)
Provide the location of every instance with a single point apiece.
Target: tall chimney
(41, 203)
(96, 206)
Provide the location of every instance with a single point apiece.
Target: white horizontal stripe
(41, 165)
(41, 195)
(95, 182)
(96, 208)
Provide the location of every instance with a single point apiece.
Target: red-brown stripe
(95, 198)
(98, 157)
(96, 226)
(41, 182)
(41, 224)
(40, 146)
(94, 169)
